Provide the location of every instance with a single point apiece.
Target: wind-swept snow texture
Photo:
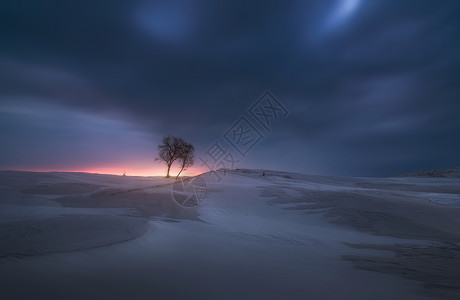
(278, 236)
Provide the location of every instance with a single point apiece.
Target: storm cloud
(371, 86)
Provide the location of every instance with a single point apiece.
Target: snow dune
(278, 236)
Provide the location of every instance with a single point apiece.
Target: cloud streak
(374, 94)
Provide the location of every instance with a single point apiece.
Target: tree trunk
(167, 174)
(180, 172)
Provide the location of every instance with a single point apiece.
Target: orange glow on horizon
(139, 171)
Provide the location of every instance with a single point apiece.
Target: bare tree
(187, 157)
(173, 148)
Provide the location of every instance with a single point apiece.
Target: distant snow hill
(447, 173)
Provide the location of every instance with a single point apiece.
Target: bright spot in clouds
(343, 10)
(347, 7)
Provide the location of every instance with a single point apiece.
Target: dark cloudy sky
(372, 86)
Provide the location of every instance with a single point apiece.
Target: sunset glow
(132, 171)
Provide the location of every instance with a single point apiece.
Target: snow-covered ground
(278, 236)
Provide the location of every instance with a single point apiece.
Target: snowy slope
(278, 236)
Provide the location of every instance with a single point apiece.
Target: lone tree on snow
(173, 148)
